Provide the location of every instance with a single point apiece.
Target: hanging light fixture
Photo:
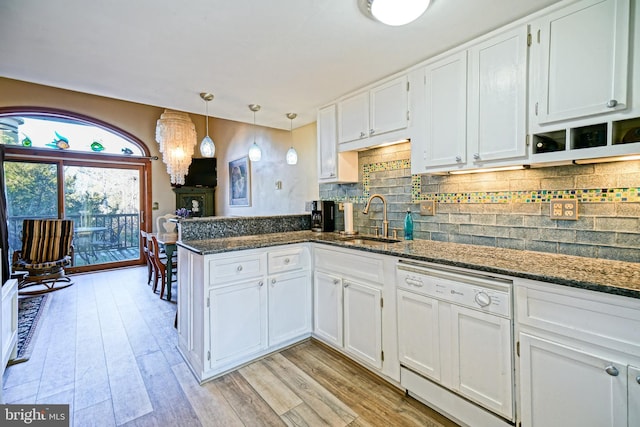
(207, 147)
(292, 154)
(394, 12)
(255, 153)
(176, 134)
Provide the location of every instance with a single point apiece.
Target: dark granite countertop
(614, 277)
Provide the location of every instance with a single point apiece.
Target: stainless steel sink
(369, 241)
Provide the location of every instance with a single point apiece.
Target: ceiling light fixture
(394, 12)
(292, 154)
(207, 147)
(255, 153)
(176, 135)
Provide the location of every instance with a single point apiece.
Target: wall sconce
(292, 154)
(255, 153)
(176, 134)
(207, 147)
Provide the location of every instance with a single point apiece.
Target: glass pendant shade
(292, 156)
(255, 153)
(207, 147)
(397, 12)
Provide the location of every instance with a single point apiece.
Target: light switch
(278, 185)
(564, 209)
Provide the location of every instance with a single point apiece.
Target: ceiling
(286, 55)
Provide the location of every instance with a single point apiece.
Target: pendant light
(394, 12)
(255, 153)
(207, 147)
(292, 154)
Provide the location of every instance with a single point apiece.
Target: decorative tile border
(594, 195)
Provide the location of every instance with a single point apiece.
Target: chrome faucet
(385, 223)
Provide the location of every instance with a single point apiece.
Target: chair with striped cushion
(46, 249)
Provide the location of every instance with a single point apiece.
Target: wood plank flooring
(107, 347)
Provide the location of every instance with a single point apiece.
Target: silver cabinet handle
(260, 283)
(336, 281)
(638, 379)
(332, 174)
(239, 268)
(458, 159)
(372, 131)
(362, 134)
(273, 281)
(346, 285)
(612, 103)
(286, 260)
(612, 370)
(476, 156)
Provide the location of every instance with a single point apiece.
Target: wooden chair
(163, 224)
(160, 264)
(145, 250)
(46, 249)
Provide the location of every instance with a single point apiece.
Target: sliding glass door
(103, 200)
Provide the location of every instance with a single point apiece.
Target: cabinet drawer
(599, 318)
(351, 263)
(231, 269)
(289, 259)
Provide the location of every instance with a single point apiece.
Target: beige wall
(299, 182)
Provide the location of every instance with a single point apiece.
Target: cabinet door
(482, 354)
(565, 387)
(327, 304)
(327, 142)
(497, 97)
(353, 118)
(418, 333)
(363, 322)
(289, 306)
(238, 320)
(633, 382)
(446, 112)
(389, 106)
(583, 67)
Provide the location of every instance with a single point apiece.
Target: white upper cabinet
(353, 113)
(497, 97)
(333, 166)
(582, 59)
(474, 108)
(379, 110)
(445, 83)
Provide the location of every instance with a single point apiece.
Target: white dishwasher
(455, 342)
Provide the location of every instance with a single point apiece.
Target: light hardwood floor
(107, 347)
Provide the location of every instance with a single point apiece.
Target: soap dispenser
(408, 226)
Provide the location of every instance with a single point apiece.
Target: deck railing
(95, 235)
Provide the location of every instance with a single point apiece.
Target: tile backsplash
(502, 209)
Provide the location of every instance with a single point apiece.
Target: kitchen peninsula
(246, 296)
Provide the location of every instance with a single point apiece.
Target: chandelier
(176, 134)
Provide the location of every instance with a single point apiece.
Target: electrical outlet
(564, 209)
(340, 206)
(428, 208)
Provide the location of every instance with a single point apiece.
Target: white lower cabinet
(579, 357)
(237, 306)
(363, 322)
(350, 306)
(238, 320)
(289, 306)
(564, 386)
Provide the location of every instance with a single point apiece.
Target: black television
(202, 173)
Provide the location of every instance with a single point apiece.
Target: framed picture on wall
(239, 182)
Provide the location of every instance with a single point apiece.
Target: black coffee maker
(323, 215)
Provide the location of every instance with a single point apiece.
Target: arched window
(60, 164)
